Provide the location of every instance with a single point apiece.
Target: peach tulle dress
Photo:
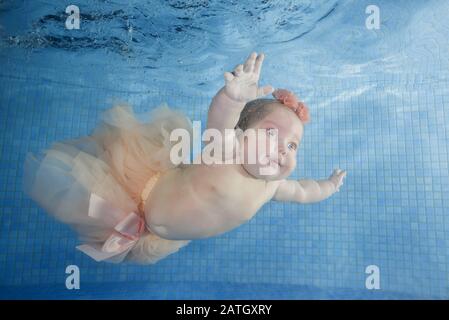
(98, 183)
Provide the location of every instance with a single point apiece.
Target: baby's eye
(292, 146)
(271, 131)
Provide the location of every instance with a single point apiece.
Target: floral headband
(289, 99)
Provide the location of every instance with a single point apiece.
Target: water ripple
(142, 31)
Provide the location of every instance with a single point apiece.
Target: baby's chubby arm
(240, 87)
(309, 191)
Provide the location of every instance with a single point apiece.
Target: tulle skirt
(114, 163)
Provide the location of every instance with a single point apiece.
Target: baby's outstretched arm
(241, 86)
(309, 191)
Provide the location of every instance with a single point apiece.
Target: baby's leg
(150, 249)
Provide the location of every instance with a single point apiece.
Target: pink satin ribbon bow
(127, 229)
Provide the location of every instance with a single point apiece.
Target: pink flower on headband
(289, 99)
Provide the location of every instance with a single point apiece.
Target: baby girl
(125, 197)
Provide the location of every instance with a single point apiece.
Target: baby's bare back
(198, 201)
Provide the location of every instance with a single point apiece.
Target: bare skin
(199, 200)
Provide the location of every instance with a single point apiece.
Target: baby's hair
(254, 111)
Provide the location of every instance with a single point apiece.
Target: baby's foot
(242, 83)
(337, 178)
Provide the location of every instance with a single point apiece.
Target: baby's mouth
(271, 162)
(269, 166)
(274, 165)
(279, 161)
(272, 159)
(274, 162)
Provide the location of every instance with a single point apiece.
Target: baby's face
(282, 158)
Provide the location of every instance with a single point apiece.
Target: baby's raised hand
(337, 178)
(242, 83)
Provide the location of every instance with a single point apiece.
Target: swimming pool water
(379, 102)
